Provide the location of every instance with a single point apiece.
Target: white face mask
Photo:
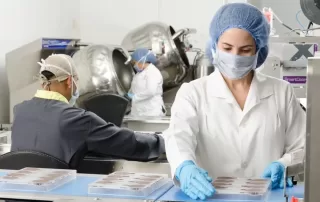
(234, 66)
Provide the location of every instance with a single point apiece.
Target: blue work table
(77, 190)
(174, 194)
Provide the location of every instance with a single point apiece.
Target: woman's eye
(227, 49)
(246, 51)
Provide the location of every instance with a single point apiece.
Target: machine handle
(124, 51)
(183, 76)
(184, 32)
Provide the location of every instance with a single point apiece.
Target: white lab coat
(146, 88)
(208, 127)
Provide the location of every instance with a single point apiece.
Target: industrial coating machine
(293, 59)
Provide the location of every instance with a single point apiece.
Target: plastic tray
(36, 179)
(242, 188)
(128, 184)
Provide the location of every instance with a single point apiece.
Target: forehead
(237, 37)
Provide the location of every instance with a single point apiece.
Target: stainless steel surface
(126, 53)
(102, 68)
(185, 31)
(203, 66)
(171, 53)
(146, 119)
(311, 9)
(146, 126)
(148, 167)
(312, 171)
(155, 124)
(295, 169)
(22, 67)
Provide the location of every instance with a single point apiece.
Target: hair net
(60, 65)
(246, 17)
(142, 53)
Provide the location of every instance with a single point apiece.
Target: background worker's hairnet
(243, 16)
(142, 53)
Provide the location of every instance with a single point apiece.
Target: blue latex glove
(194, 181)
(130, 95)
(275, 171)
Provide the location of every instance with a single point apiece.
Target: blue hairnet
(140, 53)
(243, 16)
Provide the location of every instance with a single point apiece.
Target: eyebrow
(245, 46)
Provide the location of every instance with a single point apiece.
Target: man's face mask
(234, 66)
(75, 95)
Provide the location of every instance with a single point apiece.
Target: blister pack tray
(36, 179)
(128, 184)
(242, 188)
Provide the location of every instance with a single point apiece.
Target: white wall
(22, 21)
(286, 10)
(108, 21)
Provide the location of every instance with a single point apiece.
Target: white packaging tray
(128, 184)
(36, 179)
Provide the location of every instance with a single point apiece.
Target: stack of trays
(36, 179)
(242, 187)
(128, 184)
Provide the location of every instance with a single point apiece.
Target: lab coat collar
(259, 88)
(50, 95)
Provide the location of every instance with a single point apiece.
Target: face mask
(234, 66)
(144, 58)
(74, 98)
(137, 68)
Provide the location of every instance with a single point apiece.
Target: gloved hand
(275, 171)
(194, 181)
(130, 95)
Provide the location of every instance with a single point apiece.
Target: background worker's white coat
(208, 127)
(147, 91)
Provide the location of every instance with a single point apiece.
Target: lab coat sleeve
(180, 137)
(107, 139)
(295, 131)
(154, 81)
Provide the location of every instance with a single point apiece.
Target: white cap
(61, 65)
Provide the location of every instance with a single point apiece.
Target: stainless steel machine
(288, 58)
(170, 47)
(103, 68)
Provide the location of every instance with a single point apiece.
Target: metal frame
(312, 171)
(273, 65)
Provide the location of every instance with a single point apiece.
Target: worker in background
(50, 123)
(146, 87)
(236, 121)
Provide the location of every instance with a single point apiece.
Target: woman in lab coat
(236, 121)
(146, 86)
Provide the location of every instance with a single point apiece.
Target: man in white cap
(49, 123)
